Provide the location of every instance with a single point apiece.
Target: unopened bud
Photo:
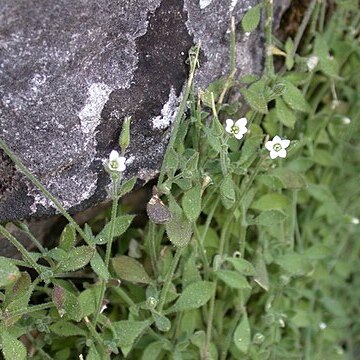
(124, 140)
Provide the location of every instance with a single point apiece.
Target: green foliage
(250, 258)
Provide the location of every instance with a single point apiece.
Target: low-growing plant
(251, 250)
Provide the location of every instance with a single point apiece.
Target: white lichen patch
(204, 3)
(90, 115)
(168, 112)
(233, 3)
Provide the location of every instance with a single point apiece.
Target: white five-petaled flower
(237, 128)
(277, 147)
(116, 162)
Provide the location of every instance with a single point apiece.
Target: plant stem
(42, 188)
(152, 248)
(303, 25)
(212, 301)
(202, 251)
(26, 255)
(269, 64)
(94, 334)
(182, 107)
(25, 229)
(168, 278)
(31, 309)
(115, 180)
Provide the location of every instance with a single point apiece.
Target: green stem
(25, 229)
(269, 63)
(94, 334)
(124, 296)
(168, 278)
(182, 107)
(293, 219)
(303, 26)
(115, 181)
(31, 309)
(152, 248)
(232, 45)
(41, 187)
(212, 301)
(26, 255)
(202, 251)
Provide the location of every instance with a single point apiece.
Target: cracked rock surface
(70, 71)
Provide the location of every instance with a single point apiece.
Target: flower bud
(124, 139)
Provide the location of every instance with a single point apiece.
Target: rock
(70, 71)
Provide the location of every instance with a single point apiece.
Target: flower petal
(282, 153)
(243, 130)
(114, 155)
(285, 143)
(241, 122)
(269, 145)
(274, 154)
(277, 139)
(239, 135)
(229, 124)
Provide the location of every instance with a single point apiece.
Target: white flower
(277, 147)
(355, 221)
(312, 62)
(116, 162)
(345, 120)
(237, 128)
(322, 326)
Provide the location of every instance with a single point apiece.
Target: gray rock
(70, 71)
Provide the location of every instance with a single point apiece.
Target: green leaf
(213, 140)
(152, 351)
(324, 158)
(268, 218)
(242, 335)
(294, 264)
(294, 98)
(9, 273)
(327, 64)
(321, 193)
(179, 229)
(66, 303)
(17, 296)
(242, 266)
(93, 354)
(77, 258)
(318, 252)
(18, 293)
(289, 179)
(12, 348)
(127, 268)
(194, 296)
(121, 225)
(274, 201)
(255, 96)
(227, 192)
(233, 279)
(251, 19)
(261, 277)
(98, 265)
(192, 163)
(161, 322)
(285, 114)
(127, 332)
(67, 238)
(251, 145)
(127, 186)
(88, 300)
(66, 328)
(191, 203)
